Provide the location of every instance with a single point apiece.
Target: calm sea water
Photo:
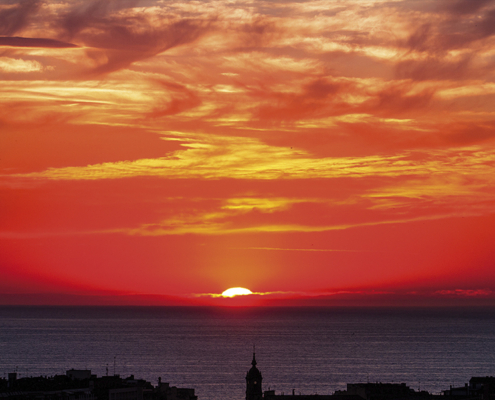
(306, 349)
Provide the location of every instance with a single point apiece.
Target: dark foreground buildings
(479, 388)
(82, 385)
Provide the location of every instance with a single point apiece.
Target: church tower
(253, 382)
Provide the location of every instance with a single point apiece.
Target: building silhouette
(361, 391)
(82, 385)
(253, 382)
(479, 387)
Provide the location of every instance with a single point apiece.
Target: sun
(236, 291)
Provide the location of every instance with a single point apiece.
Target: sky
(315, 152)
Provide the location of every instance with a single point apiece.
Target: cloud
(182, 99)
(465, 292)
(435, 69)
(19, 66)
(214, 156)
(15, 18)
(328, 101)
(463, 7)
(197, 224)
(34, 42)
(291, 249)
(316, 99)
(398, 99)
(83, 16)
(458, 25)
(120, 39)
(240, 158)
(220, 295)
(469, 133)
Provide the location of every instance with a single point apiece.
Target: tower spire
(253, 381)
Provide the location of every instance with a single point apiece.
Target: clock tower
(253, 382)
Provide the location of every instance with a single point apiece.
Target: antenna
(114, 366)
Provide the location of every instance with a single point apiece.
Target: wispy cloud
(291, 249)
(219, 295)
(245, 158)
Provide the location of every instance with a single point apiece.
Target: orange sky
(155, 152)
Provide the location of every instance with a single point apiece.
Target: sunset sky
(160, 152)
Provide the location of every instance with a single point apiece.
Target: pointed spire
(253, 363)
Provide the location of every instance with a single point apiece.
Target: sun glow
(236, 291)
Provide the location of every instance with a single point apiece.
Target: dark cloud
(15, 41)
(461, 23)
(79, 18)
(434, 69)
(90, 15)
(115, 35)
(123, 46)
(14, 19)
(322, 98)
(397, 101)
(182, 99)
(256, 34)
(487, 25)
(469, 133)
(461, 31)
(420, 38)
(463, 6)
(320, 89)
(317, 99)
(118, 40)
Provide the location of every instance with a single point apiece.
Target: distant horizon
(349, 300)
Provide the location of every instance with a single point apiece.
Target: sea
(308, 350)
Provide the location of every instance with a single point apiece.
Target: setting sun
(236, 291)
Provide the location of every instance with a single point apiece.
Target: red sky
(315, 152)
